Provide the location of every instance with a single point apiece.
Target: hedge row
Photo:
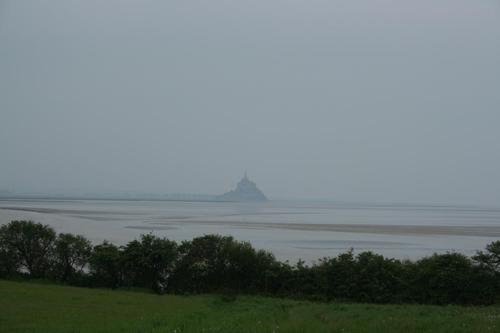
(220, 264)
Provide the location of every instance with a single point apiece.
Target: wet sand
(290, 230)
(59, 211)
(166, 223)
(480, 231)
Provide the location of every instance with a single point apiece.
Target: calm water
(291, 230)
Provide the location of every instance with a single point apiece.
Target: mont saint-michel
(246, 190)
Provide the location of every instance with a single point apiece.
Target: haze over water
(346, 101)
(290, 229)
(370, 100)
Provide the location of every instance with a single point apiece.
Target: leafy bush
(31, 244)
(221, 264)
(72, 254)
(149, 262)
(9, 264)
(105, 265)
(490, 258)
(445, 278)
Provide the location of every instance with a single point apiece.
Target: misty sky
(369, 100)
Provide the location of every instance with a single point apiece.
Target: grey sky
(371, 100)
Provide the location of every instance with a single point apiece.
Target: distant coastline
(185, 198)
(246, 190)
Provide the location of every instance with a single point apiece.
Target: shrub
(215, 263)
(378, 279)
(219, 263)
(443, 279)
(9, 264)
(149, 262)
(490, 258)
(203, 264)
(72, 254)
(105, 265)
(337, 276)
(31, 244)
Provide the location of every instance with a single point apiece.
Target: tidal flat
(292, 230)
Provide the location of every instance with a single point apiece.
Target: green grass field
(30, 307)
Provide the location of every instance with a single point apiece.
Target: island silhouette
(246, 190)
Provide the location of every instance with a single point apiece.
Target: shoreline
(382, 229)
(386, 229)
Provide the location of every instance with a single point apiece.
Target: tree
(149, 262)
(222, 264)
(31, 244)
(105, 265)
(245, 269)
(269, 270)
(490, 258)
(8, 262)
(202, 267)
(72, 253)
(444, 279)
(378, 279)
(337, 276)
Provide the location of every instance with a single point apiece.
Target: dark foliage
(442, 279)
(216, 263)
(71, 256)
(9, 263)
(149, 262)
(221, 264)
(490, 258)
(31, 244)
(105, 265)
(368, 277)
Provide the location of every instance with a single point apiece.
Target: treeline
(219, 264)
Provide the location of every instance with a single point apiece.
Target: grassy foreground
(30, 307)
